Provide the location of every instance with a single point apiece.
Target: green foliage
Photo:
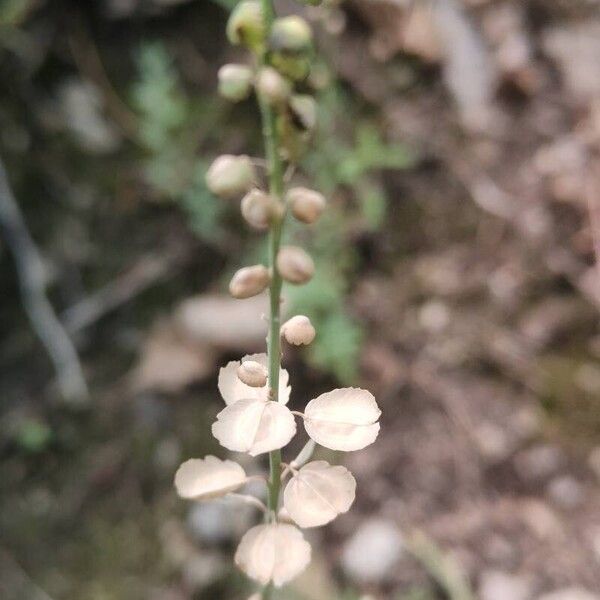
(14, 12)
(163, 112)
(33, 436)
(167, 122)
(346, 168)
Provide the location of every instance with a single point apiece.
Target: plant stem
(275, 171)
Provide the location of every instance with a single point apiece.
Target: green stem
(275, 170)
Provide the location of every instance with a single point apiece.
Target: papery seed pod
(229, 176)
(290, 34)
(249, 281)
(306, 205)
(258, 208)
(304, 111)
(295, 264)
(252, 373)
(274, 88)
(235, 82)
(246, 25)
(298, 330)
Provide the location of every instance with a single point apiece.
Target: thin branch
(30, 271)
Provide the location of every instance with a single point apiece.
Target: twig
(142, 275)
(26, 587)
(30, 271)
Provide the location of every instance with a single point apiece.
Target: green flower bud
(229, 176)
(274, 88)
(304, 110)
(246, 25)
(290, 35)
(295, 264)
(306, 205)
(235, 82)
(249, 281)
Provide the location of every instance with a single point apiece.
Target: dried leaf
(232, 389)
(276, 552)
(254, 426)
(343, 419)
(318, 493)
(209, 477)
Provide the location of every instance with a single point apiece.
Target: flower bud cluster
(256, 419)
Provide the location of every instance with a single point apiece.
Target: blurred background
(456, 278)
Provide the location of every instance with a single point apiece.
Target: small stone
(566, 491)
(497, 585)
(218, 522)
(539, 462)
(434, 316)
(594, 461)
(371, 554)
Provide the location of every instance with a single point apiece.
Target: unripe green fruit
(246, 25)
(294, 66)
(274, 88)
(235, 82)
(290, 35)
(230, 176)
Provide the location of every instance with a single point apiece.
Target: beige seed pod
(295, 264)
(298, 330)
(235, 82)
(273, 87)
(252, 373)
(258, 208)
(230, 176)
(306, 205)
(249, 281)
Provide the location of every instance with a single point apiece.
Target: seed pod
(295, 264)
(290, 34)
(306, 205)
(298, 331)
(229, 176)
(246, 25)
(235, 82)
(274, 88)
(304, 111)
(249, 281)
(258, 208)
(252, 373)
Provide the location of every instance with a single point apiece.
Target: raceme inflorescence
(256, 419)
